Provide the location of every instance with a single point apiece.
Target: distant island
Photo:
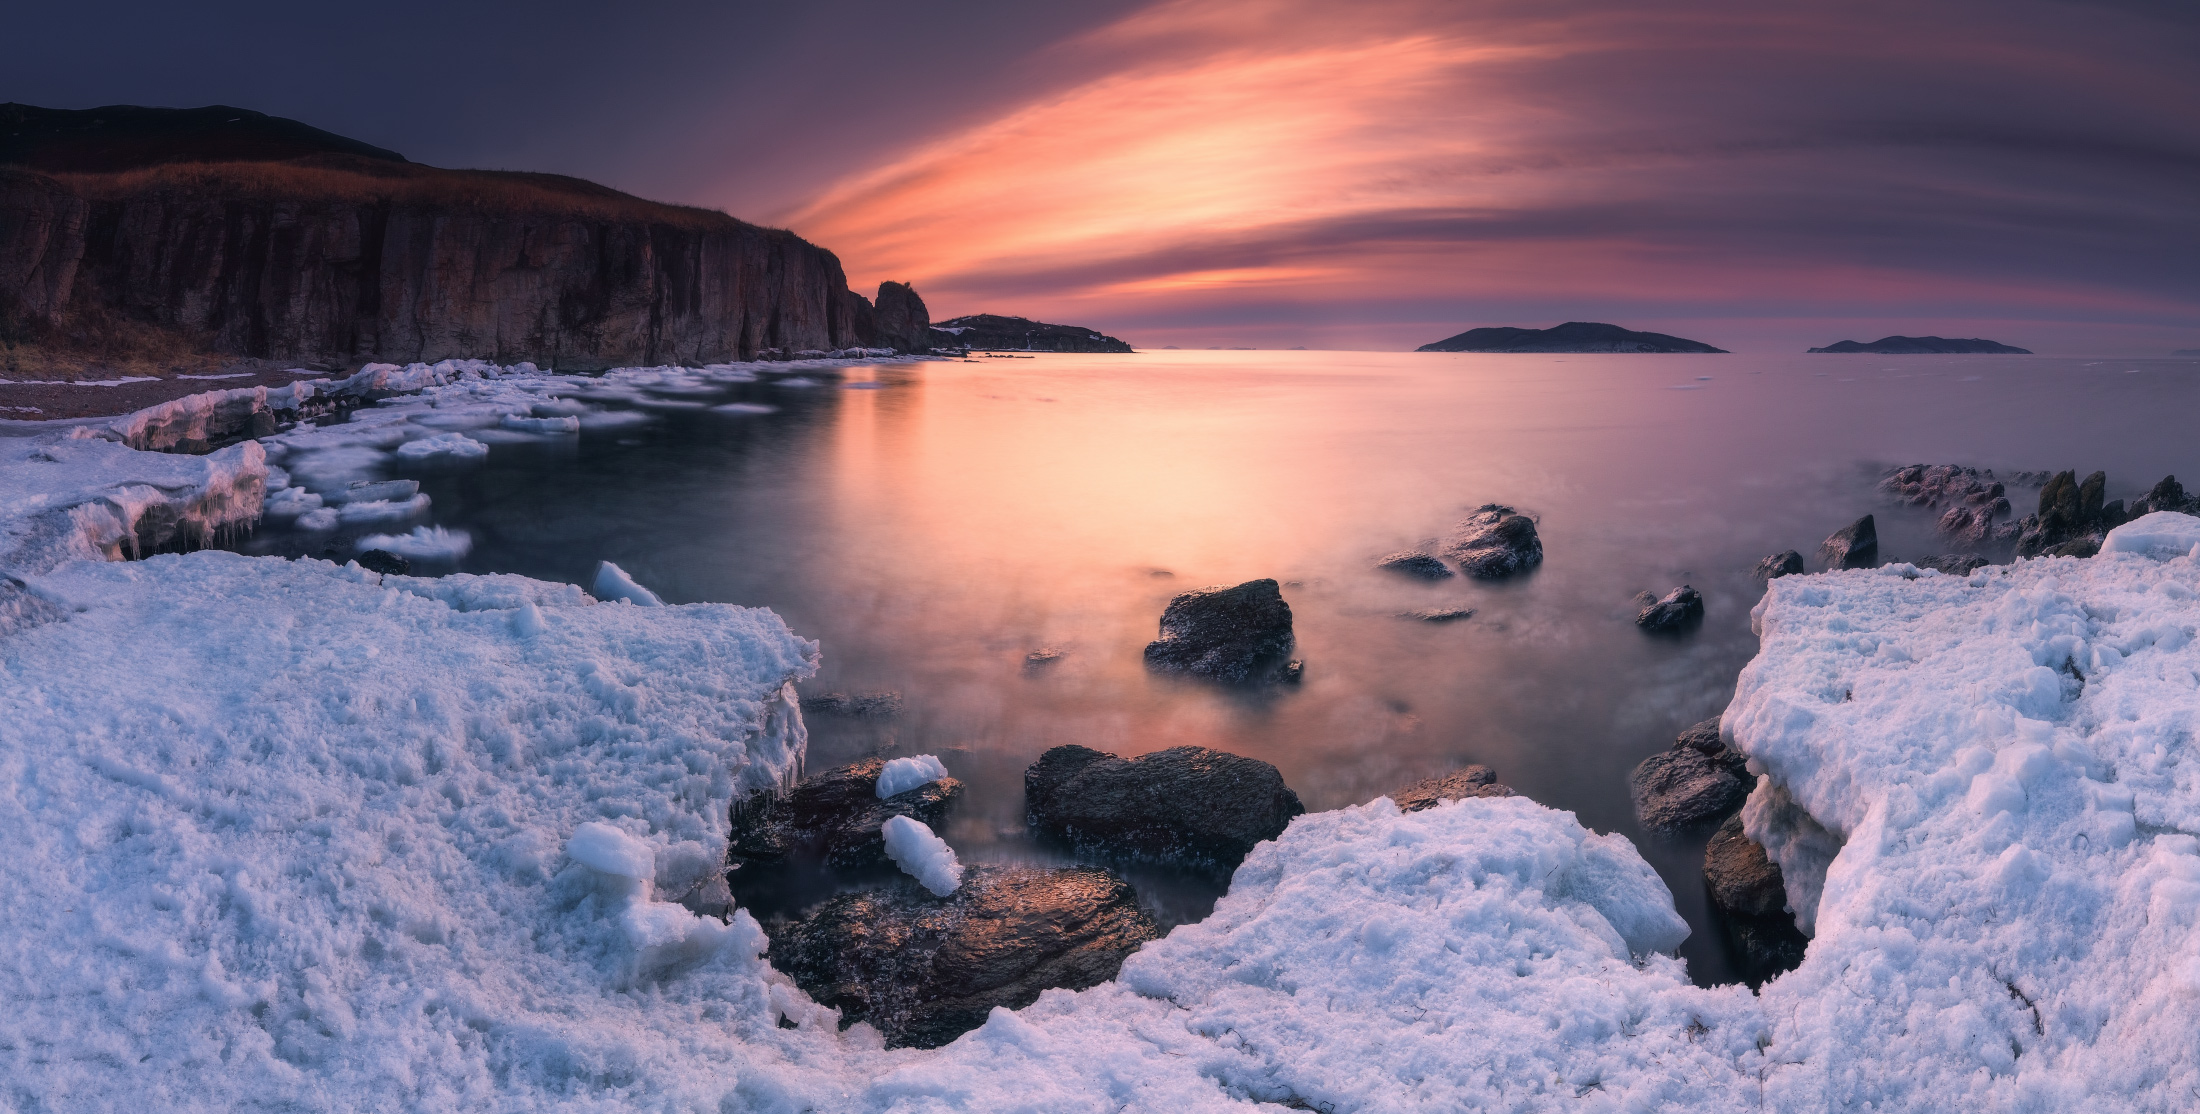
(1926, 346)
(1573, 336)
(2186, 352)
(991, 332)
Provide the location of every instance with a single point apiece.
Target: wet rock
(1954, 564)
(1747, 887)
(1458, 785)
(1855, 546)
(1418, 564)
(865, 705)
(1778, 565)
(1037, 660)
(1696, 781)
(2076, 547)
(833, 817)
(2071, 511)
(385, 562)
(925, 970)
(1680, 609)
(1237, 636)
(2166, 495)
(1495, 542)
(1441, 614)
(1186, 804)
(1940, 485)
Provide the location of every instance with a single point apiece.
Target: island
(991, 332)
(1573, 336)
(1927, 346)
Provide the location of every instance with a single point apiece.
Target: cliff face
(339, 260)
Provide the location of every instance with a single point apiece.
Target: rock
(2076, 547)
(899, 319)
(1037, 660)
(867, 705)
(833, 817)
(1918, 346)
(2071, 511)
(925, 970)
(1238, 636)
(992, 332)
(385, 562)
(1441, 614)
(1186, 804)
(1496, 541)
(1855, 546)
(2167, 495)
(1681, 608)
(1746, 886)
(1778, 565)
(1458, 785)
(1696, 781)
(1573, 336)
(1417, 564)
(1954, 564)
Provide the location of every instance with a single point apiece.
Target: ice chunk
(520, 423)
(2161, 534)
(922, 855)
(612, 583)
(745, 408)
(367, 491)
(605, 849)
(319, 521)
(382, 510)
(903, 774)
(291, 502)
(443, 446)
(428, 542)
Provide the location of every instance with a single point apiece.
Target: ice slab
(422, 542)
(922, 855)
(612, 583)
(900, 775)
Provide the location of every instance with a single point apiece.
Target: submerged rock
(1681, 608)
(866, 705)
(385, 562)
(1415, 563)
(1746, 886)
(925, 970)
(1187, 804)
(1778, 565)
(1237, 636)
(1855, 546)
(1458, 785)
(1495, 541)
(1699, 780)
(1440, 614)
(834, 816)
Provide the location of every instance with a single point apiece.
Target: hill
(1925, 346)
(992, 332)
(1573, 336)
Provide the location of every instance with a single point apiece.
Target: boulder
(2167, 495)
(1191, 805)
(1680, 609)
(1696, 781)
(385, 562)
(2071, 514)
(833, 817)
(1440, 614)
(1417, 564)
(1855, 546)
(1778, 565)
(1495, 542)
(1237, 636)
(1458, 785)
(1746, 886)
(924, 970)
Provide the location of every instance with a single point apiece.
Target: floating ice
(922, 855)
(519, 423)
(443, 446)
(319, 521)
(745, 408)
(424, 542)
(903, 774)
(370, 491)
(382, 510)
(290, 502)
(612, 583)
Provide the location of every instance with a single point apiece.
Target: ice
(522, 424)
(367, 491)
(443, 446)
(922, 855)
(66, 497)
(319, 521)
(424, 542)
(745, 408)
(900, 775)
(290, 502)
(601, 847)
(2162, 533)
(612, 583)
(381, 510)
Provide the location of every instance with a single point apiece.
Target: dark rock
(262, 423)
(1954, 564)
(1778, 565)
(1696, 781)
(1924, 346)
(1441, 614)
(925, 970)
(385, 562)
(833, 817)
(1746, 886)
(2076, 547)
(1039, 659)
(1238, 636)
(1855, 546)
(2167, 495)
(1573, 336)
(1187, 804)
(1681, 608)
(868, 705)
(899, 319)
(2071, 512)
(1417, 564)
(1458, 785)
(1495, 541)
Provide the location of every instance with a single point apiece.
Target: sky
(1764, 176)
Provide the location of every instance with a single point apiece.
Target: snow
(612, 583)
(900, 775)
(2157, 533)
(922, 855)
(429, 542)
(443, 446)
(70, 496)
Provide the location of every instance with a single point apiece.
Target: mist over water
(937, 526)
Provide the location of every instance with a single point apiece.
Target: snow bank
(71, 496)
(900, 775)
(430, 542)
(612, 583)
(922, 855)
(2002, 778)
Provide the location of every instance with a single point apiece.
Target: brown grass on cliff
(351, 180)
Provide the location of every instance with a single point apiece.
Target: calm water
(937, 522)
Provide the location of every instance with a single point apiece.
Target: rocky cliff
(993, 332)
(340, 258)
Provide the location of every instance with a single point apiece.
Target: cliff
(993, 332)
(1573, 336)
(1925, 346)
(344, 258)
